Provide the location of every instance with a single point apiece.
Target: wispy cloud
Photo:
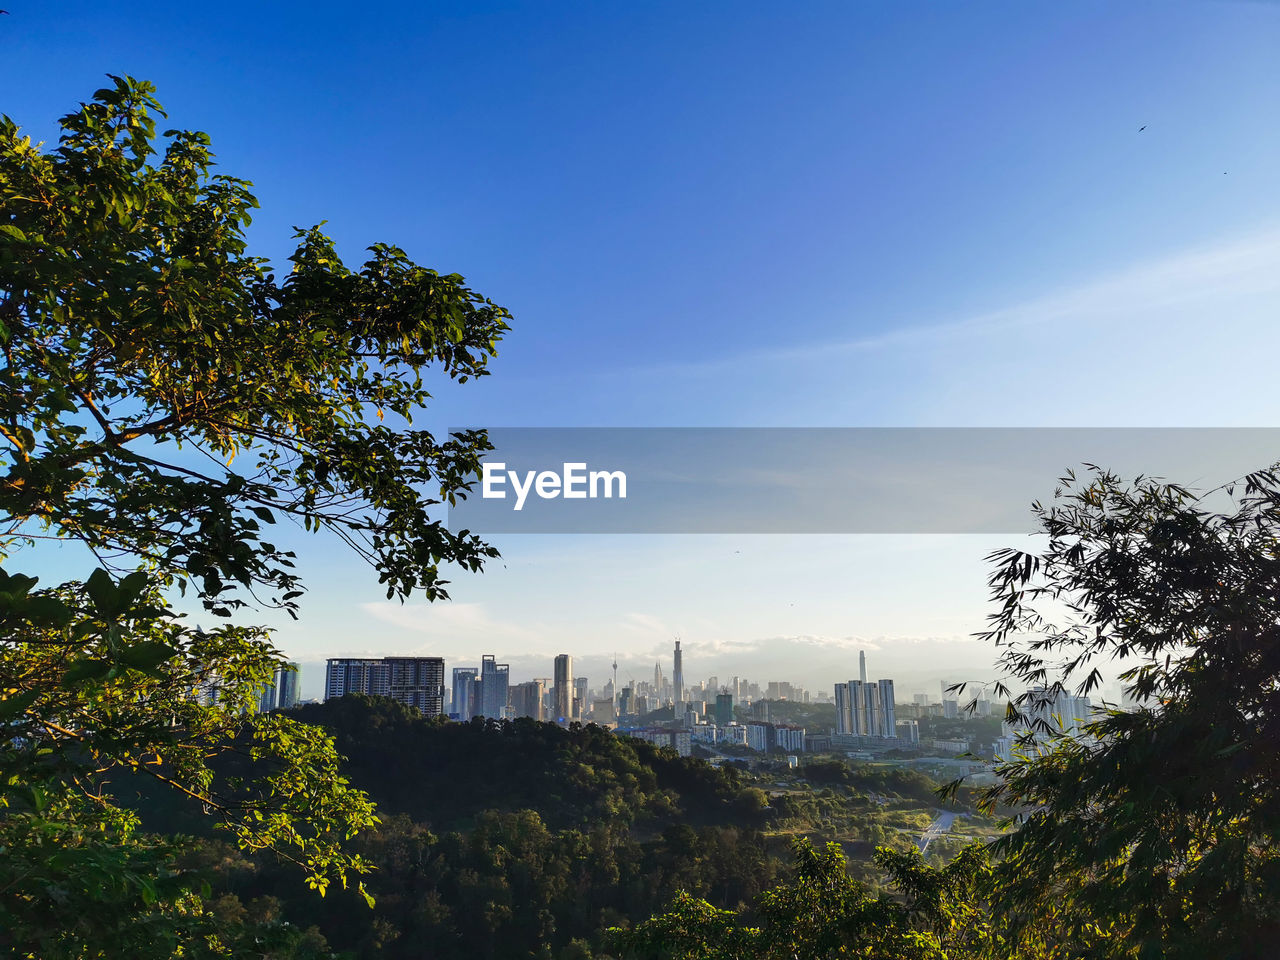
(1233, 267)
(460, 625)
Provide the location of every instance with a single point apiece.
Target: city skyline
(640, 667)
(715, 714)
(863, 708)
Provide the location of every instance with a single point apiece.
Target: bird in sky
(1141, 128)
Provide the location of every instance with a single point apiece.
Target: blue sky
(748, 214)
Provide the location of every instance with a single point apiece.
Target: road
(940, 827)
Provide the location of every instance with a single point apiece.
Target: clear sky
(747, 214)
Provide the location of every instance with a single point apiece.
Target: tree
(821, 912)
(164, 398)
(1155, 834)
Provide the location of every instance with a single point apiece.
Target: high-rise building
(267, 700)
(580, 702)
(888, 717)
(288, 683)
(875, 718)
(494, 681)
(563, 711)
(1065, 712)
(602, 712)
(345, 675)
(862, 666)
(860, 708)
(417, 681)
(626, 703)
(464, 688)
(761, 736)
(865, 709)
(677, 680)
(526, 699)
(844, 709)
(724, 708)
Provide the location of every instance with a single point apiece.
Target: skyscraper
(345, 675)
(724, 708)
(563, 689)
(288, 681)
(526, 699)
(267, 700)
(494, 679)
(580, 705)
(464, 693)
(860, 708)
(888, 717)
(844, 711)
(677, 681)
(862, 665)
(417, 681)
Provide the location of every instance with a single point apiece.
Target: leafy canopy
(1155, 834)
(821, 912)
(164, 398)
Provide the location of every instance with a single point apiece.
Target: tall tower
(844, 709)
(862, 665)
(495, 681)
(615, 681)
(289, 685)
(563, 689)
(464, 705)
(888, 714)
(677, 678)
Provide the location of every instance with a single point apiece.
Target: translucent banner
(821, 480)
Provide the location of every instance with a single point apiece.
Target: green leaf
(11, 707)
(82, 670)
(145, 656)
(48, 611)
(102, 591)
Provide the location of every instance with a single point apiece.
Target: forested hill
(441, 773)
(519, 840)
(516, 840)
